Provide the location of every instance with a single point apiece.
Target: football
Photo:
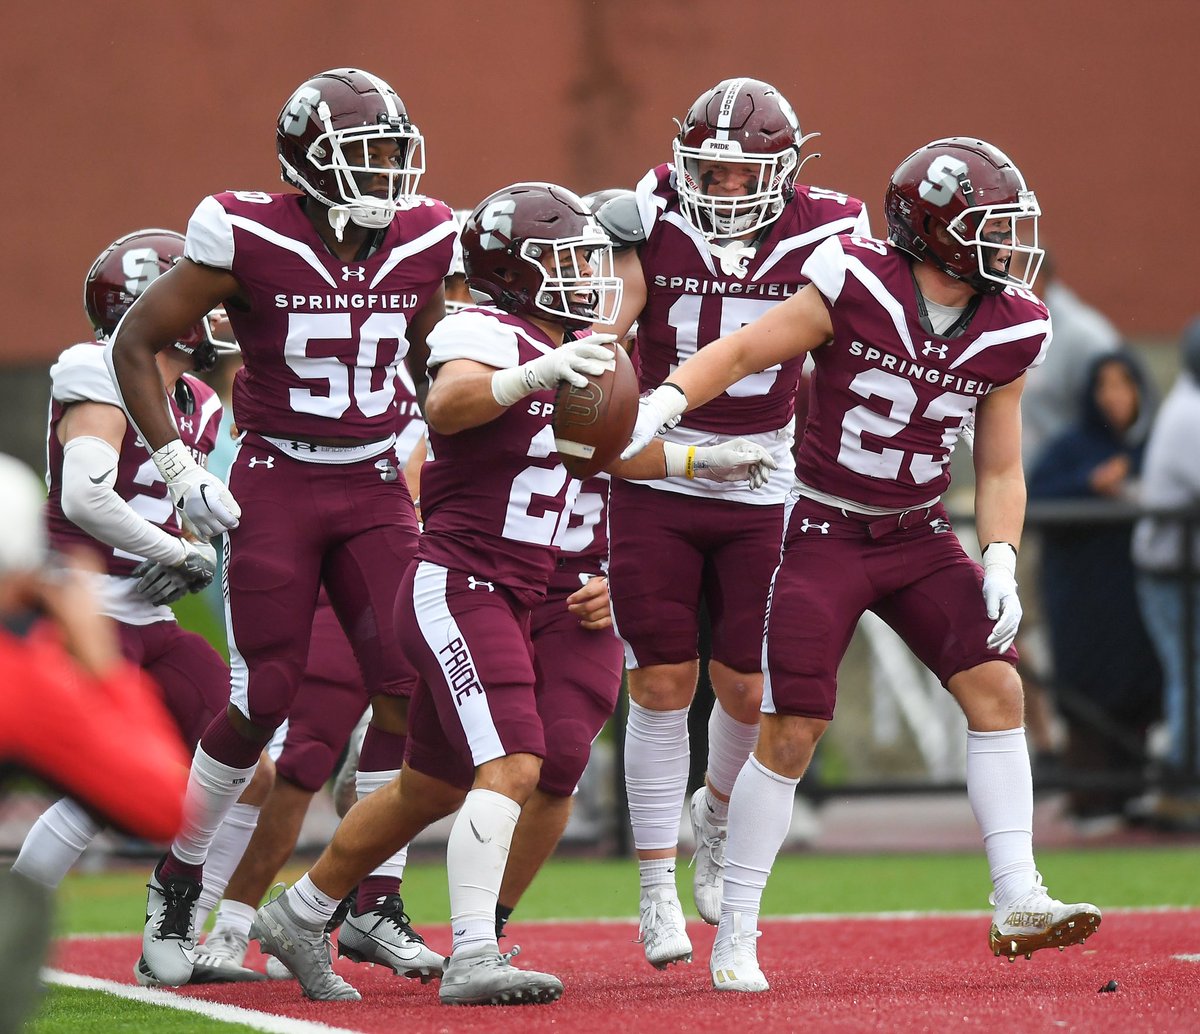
(592, 424)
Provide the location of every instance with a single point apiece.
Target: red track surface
(861, 974)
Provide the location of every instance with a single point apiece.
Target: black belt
(881, 526)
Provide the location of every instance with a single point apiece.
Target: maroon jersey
(889, 399)
(692, 297)
(493, 497)
(81, 375)
(322, 339)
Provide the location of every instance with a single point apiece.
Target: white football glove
(658, 410)
(204, 503)
(572, 361)
(735, 460)
(1000, 594)
(161, 583)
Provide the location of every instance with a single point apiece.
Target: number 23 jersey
(888, 399)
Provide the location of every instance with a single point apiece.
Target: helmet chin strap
(367, 218)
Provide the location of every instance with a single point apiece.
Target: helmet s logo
(497, 225)
(140, 267)
(942, 179)
(299, 110)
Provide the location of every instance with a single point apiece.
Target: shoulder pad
(618, 215)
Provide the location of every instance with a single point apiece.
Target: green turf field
(575, 888)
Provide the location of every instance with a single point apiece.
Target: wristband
(689, 465)
(172, 459)
(1003, 555)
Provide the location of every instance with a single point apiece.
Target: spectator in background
(1108, 694)
(1051, 402)
(1171, 480)
(59, 657)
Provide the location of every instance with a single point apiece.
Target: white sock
(212, 789)
(657, 872)
(1000, 789)
(226, 851)
(233, 917)
(729, 744)
(760, 814)
(656, 771)
(311, 904)
(367, 783)
(60, 835)
(476, 853)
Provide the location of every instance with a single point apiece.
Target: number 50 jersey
(322, 338)
(888, 399)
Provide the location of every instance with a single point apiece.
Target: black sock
(503, 913)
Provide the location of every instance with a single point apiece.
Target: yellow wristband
(689, 465)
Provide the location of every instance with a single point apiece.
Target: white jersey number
(344, 384)
(684, 318)
(949, 408)
(545, 484)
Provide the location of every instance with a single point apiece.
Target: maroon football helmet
(963, 205)
(522, 248)
(323, 138)
(124, 270)
(743, 122)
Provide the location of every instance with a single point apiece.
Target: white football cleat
(663, 932)
(482, 976)
(734, 961)
(385, 935)
(1039, 921)
(709, 859)
(169, 938)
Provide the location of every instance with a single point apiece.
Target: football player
(323, 720)
(106, 495)
(914, 339)
(713, 241)
(494, 497)
(328, 291)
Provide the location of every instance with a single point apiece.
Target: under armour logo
(187, 425)
(939, 525)
(474, 583)
(357, 272)
(807, 525)
(268, 460)
(387, 470)
(932, 349)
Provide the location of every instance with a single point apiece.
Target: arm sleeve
(89, 499)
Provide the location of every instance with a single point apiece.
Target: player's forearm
(139, 383)
(461, 401)
(1000, 508)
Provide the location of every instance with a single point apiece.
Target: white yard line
(213, 1010)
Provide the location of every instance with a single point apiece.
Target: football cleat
(384, 935)
(709, 859)
(663, 932)
(276, 970)
(168, 938)
(304, 949)
(1039, 921)
(220, 960)
(482, 976)
(734, 961)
